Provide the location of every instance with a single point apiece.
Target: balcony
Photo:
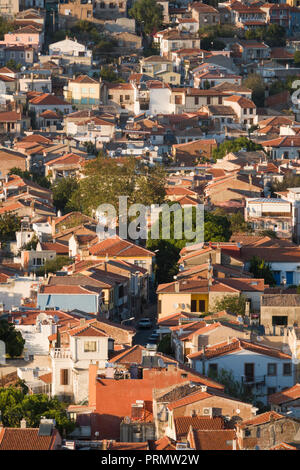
(60, 353)
(253, 380)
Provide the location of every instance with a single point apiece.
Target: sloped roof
(285, 396)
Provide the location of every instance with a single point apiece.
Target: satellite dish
(258, 338)
(175, 305)
(238, 411)
(127, 420)
(182, 305)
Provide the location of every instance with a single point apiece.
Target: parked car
(144, 323)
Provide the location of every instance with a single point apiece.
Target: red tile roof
(182, 424)
(25, 439)
(285, 396)
(212, 440)
(260, 419)
(116, 246)
(45, 99)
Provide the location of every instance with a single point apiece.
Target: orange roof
(117, 246)
(48, 99)
(260, 419)
(285, 396)
(212, 440)
(25, 439)
(241, 100)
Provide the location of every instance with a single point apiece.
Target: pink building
(27, 36)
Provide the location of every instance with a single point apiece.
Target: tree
(234, 304)
(14, 342)
(234, 388)
(212, 44)
(256, 84)
(216, 228)
(15, 405)
(51, 266)
(290, 180)
(9, 225)
(238, 223)
(166, 259)
(297, 58)
(149, 15)
(106, 180)
(109, 75)
(63, 190)
(234, 146)
(13, 65)
(165, 345)
(262, 270)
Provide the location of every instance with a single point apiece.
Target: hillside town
(149, 225)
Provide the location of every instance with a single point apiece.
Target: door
(249, 372)
(290, 278)
(277, 277)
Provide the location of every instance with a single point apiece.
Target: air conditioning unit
(207, 412)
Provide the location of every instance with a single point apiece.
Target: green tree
(14, 342)
(9, 225)
(216, 228)
(234, 146)
(297, 58)
(148, 14)
(15, 405)
(238, 223)
(109, 75)
(105, 180)
(234, 388)
(63, 190)
(257, 85)
(13, 65)
(262, 270)
(165, 345)
(290, 180)
(51, 266)
(233, 304)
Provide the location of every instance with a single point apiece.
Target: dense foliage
(9, 225)
(148, 14)
(14, 342)
(16, 405)
(261, 270)
(233, 304)
(234, 146)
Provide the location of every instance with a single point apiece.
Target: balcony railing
(60, 353)
(253, 380)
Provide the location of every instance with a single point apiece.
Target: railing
(253, 380)
(60, 353)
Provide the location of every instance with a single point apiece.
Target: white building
(263, 370)
(69, 47)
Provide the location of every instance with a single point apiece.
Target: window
(64, 376)
(127, 97)
(258, 432)
(271, 390)
(272, 369)
(208, 100)
(287, 368)
(90, 346)
(196, 100)
(193, 306)
(212, 369)
(251, 110)
(159, 306)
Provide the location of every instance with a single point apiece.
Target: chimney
(23, 423)
(82, 321)
(234, 444)
(177, 286)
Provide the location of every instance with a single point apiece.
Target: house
(247, 16)
(244, 108)
(285, 15)
(220, 439)
(70, 53)
(214, 78)
(266, 430)
(270, 214)
(25, 55)
(27, 36)
(13, 122)
(200, 295)
(283, 147)
(262, 369)
(249, 51)
(232, 188)
(35, 80)
(280, 309)
(111, 9)
(172, 40)
(128, 42)
(205, 15)
(62, 167)
(155, 64)
(124, 96)
(285, 401)
(82, 91)
(116, 248)
(11, 159)
(71, 12)
(114, 399)
(220, 115)
(191, 399)
(46, 437)
(9, 10)
(47, 102)
(190, 153)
